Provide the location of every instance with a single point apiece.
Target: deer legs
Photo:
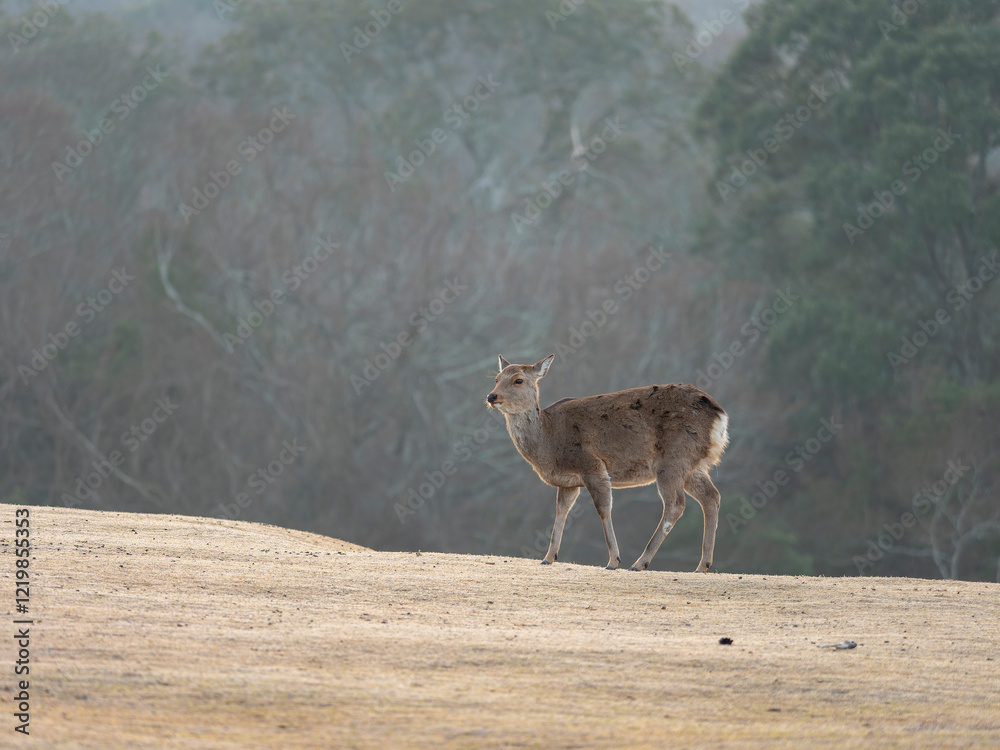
(700, 487)
(599, 487)
(600, 490)
(673, 506)
(565, 498)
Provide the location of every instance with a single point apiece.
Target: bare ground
(166, 632)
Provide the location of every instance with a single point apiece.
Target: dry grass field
(174, 632)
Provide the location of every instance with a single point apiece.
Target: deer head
(516, 390)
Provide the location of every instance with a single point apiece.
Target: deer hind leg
(700, 486)
(599, 487)
(565, 498)
(672, 495)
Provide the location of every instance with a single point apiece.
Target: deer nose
(491, 398)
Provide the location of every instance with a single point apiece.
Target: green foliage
(833, 349)
(880, 170)
(822, 110)
(878, 204)
(85, 63)
(887, 98)
(773, 549)
(126, 346)
(947, 403)
(592, 63)
(16, 496)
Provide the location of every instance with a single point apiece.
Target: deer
(668, 434)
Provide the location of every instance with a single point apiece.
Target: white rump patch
(720, 435)
(719, 438)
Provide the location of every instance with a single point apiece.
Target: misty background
(258, 259)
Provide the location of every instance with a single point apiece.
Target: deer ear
(503, 363)
(543, 367)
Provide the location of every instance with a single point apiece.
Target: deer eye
(518, 381)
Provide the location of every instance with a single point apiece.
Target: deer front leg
(599, 487)
(565, 498)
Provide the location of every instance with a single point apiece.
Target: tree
(548, 79)
(853, 144)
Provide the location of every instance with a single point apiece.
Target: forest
(258, 259)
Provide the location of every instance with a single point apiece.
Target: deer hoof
(546, 562)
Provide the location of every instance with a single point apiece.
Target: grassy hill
(168, 631)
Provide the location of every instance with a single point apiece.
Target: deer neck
(527, 429)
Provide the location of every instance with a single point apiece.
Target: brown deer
(668, 434)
